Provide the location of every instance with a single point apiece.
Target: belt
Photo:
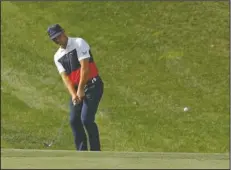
(90, 82)
(93, 80)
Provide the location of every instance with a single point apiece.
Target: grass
(61, 159)
(154, 57)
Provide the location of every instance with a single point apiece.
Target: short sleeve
(59, 66)
(83, 49)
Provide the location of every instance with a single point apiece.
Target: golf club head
(46, 144)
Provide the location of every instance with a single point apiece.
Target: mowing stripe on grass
(28, 158)
(162, 155)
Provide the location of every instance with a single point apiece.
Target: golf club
(46, 144)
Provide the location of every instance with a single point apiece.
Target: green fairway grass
(155, 59)
(70, 159)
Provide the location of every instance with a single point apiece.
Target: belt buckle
(93, 80)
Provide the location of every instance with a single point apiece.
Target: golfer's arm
(84, 73)
(68, 84)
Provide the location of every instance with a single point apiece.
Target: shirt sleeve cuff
(84, 57)
(61, 70)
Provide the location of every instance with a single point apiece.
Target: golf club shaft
(58, 133)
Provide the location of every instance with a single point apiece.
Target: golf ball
(185, 109)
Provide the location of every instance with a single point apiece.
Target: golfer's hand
(74, 99)
(80, 94)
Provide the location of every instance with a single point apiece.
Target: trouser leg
(93, 96)
(80, 138)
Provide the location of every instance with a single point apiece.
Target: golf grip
(74, 102)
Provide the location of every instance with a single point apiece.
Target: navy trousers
(82, 116)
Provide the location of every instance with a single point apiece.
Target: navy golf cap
(54, 31)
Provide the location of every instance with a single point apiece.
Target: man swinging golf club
(79, 73)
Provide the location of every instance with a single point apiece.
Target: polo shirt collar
(68, 42)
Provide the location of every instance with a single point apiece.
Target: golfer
(74, 62)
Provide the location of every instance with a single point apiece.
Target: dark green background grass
(154, 57)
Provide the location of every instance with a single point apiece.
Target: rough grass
(154, 57)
